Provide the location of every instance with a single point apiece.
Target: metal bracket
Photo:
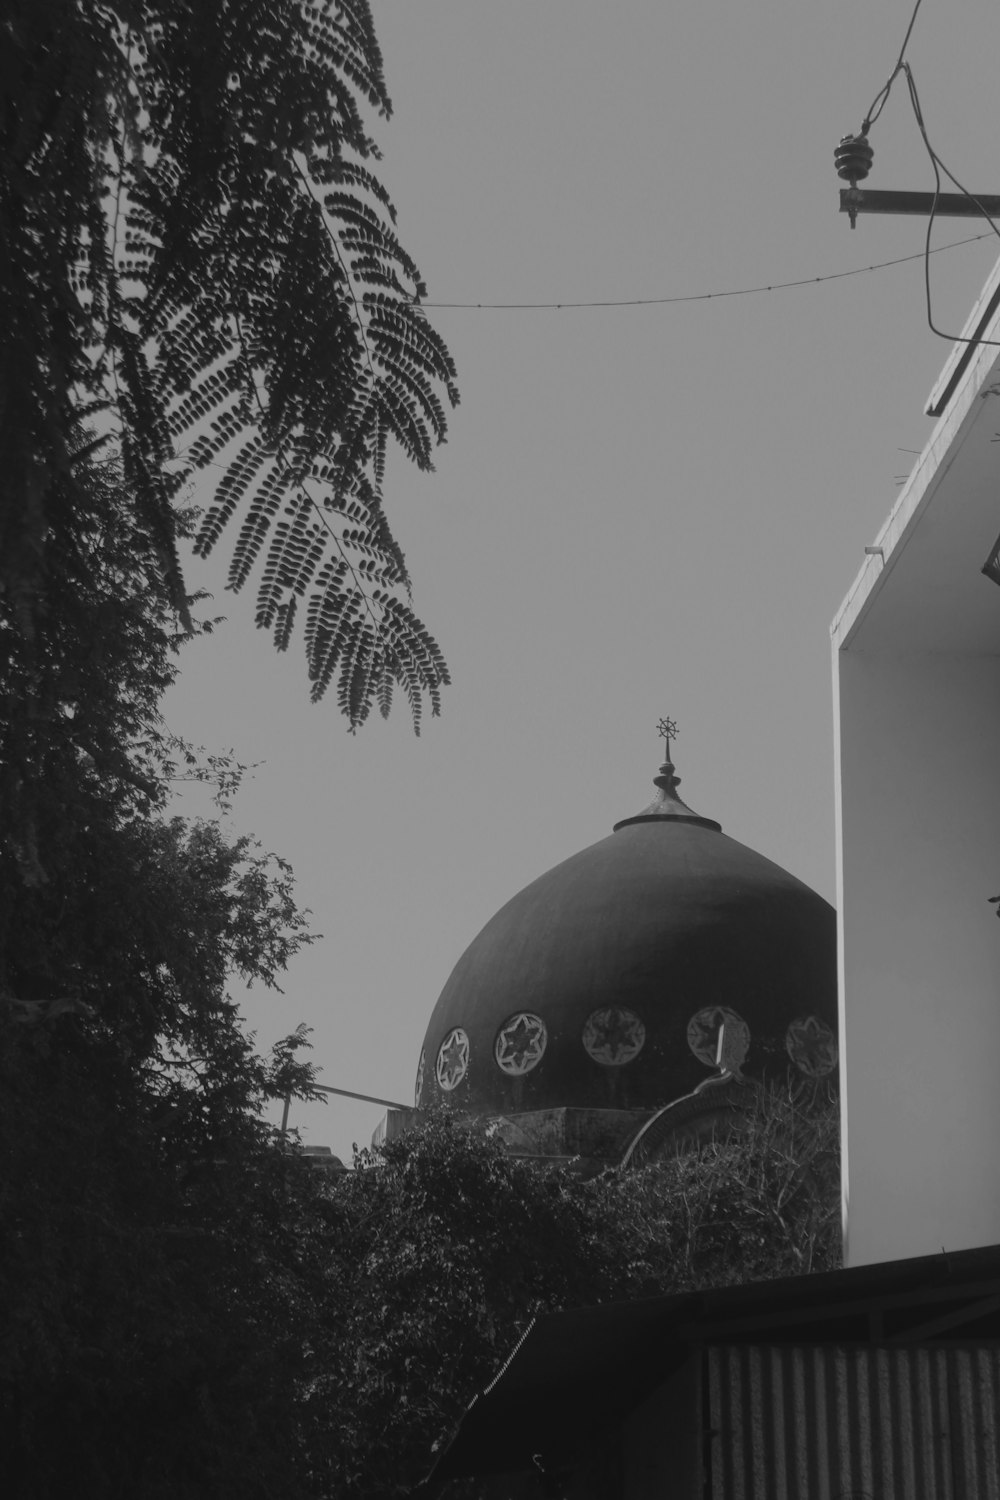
(950, 205)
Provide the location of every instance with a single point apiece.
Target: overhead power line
(745, 291)
(879, 102)
(938, 166)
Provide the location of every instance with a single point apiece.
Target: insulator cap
(853, 158)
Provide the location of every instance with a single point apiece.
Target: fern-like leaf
(194, 235)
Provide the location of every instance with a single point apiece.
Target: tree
(153, 1267)
(195, 252)
(442, 1248)
(154, 1264)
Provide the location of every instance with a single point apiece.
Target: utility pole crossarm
(854, 200)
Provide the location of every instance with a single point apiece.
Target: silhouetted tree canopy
(150, 1235)
(442, 1247)
(196, 255)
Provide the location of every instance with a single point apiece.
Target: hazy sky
(640, 510)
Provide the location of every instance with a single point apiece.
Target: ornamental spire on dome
(666, 807)
(667, 730)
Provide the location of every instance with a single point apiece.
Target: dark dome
(657, 958)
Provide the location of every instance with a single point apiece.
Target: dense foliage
(445, 1247)
(148, 1236)
(193, 244)
(151, 1275)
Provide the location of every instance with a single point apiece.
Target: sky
(640, 510)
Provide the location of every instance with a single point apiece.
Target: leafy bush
(443, 1247)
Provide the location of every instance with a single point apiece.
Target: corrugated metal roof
(580, 1370)
(863, 1423)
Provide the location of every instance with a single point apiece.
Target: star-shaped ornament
(452, 1059)
(520, 1043)
(613, 1036)
(812, 1046)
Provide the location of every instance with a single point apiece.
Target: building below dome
(636, 994)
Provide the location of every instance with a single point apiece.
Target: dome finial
(667, 807)
(667, 730)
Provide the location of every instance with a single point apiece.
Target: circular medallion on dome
(812, 1046)
(520, 1043)
(719, 1037)
(418, 1087)
(613, 1036)
(452, 1059)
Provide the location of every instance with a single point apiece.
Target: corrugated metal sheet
(865, 1423)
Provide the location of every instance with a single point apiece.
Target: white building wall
(919, 856)
(917, 703)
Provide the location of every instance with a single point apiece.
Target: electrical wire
(746, 291)
(749, 291)
(939, 167)
(878, 103)
(875, 109)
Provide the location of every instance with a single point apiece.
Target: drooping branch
(176, 171)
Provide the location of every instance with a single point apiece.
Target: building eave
(917, 574)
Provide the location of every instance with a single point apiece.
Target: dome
(665, 955)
